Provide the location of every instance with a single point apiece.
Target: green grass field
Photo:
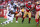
(19, 24)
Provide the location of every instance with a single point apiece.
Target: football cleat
(16, 21)
(2, 23)
(29, 22)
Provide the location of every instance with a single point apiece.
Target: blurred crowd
(18, 5)
(14, 2)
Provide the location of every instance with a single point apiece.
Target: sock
(29, 20)
(16, 18)
(22, 20)
(6, 22)
(38, 20)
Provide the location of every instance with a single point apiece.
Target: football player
(37, 12)
(9, 15)
(28, 11)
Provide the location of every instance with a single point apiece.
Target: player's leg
(6, 22)
(29, 15)
(17, 15)
(16, 18)
(22, 14)
(8, 19)
(11, 19)
(37, 17)
(24, 17)
(12, 16)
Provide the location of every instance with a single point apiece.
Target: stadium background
(3, 6)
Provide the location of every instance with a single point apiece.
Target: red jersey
(37, 7)
(28, 7)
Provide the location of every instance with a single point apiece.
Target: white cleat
(2, 23)
(16, 21)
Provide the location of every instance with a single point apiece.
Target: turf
(19, 24)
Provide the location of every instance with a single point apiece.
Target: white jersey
(12, 9)
(7, 11)
(10, 5)
(10, 16)
(16, 4)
